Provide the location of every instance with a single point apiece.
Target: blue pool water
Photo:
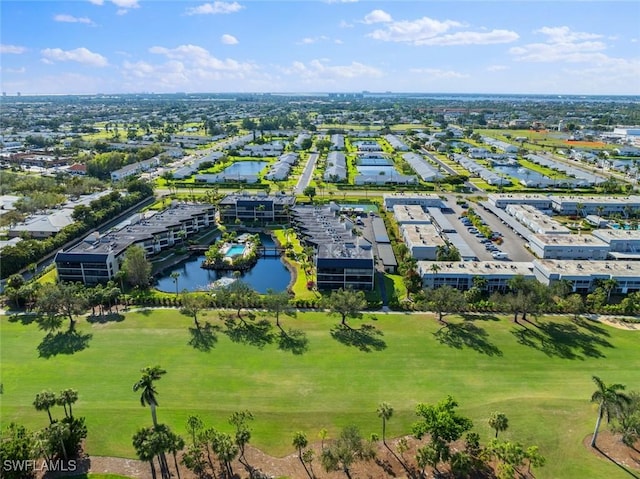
(235, 249)
(376, 170)
(245, 168)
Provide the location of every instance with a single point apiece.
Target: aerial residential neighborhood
(380, 240)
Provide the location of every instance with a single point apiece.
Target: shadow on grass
(591, 326)
(466, 335)
(24, 318)
(621, 466)
(255, 333)
(105, 318)
(479, 317)
(294, 340)
(68, 342)
(562, 340)
(366, 338)
(203, 338)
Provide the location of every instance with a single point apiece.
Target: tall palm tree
(385, 411)
(610, 400)
(499, 422)
(44, 401)
(66, 398)
(149, 393)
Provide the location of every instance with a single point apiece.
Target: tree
(346, 303)
(147, 386)
(300, 442)
(239, 419)
(44, 401)
(67, 397)
(19, 445)
(144, 449)
(192, 305)
(174, 276)
(61, 299)
(226, 450)
(194, 424)
(445, 299)
(240, 295)
(349, 448)
(443, 424)
(385, 411)
(499, 422)
(574, 304)
(310, 192)
(277, 303)
(137, 267)
(610, 402)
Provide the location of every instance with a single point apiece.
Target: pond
(245, 168)
(269, 272)
(520, 172)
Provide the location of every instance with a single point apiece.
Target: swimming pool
(235, 250)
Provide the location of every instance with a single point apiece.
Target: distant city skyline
(493, 47)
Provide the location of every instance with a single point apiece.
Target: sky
(447, 46)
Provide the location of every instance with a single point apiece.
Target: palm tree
(610, 400)
(385, 411)
(66, 398)
(174, 276)
(44, 401)
(499, 422)
(144, 449)
(300, 442)
(149, 393)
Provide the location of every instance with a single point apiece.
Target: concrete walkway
(305, 178)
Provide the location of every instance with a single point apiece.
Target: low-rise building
(248, 207)
(586, 247)
(535, 220)
(410, 215)
(97, 258)
(596, 205)
(460, 275)
(585, 276)
(622, 243)
(422, 240)
(502, 200)
(336, 169)
(423, 199)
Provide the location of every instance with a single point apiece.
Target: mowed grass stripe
(544, 394)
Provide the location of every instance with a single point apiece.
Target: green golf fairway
(539, 376)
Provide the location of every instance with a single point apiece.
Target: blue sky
(132, 46)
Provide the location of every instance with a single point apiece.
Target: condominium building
(561, 246)
(535, 220)
(256, 207)
(460, 275)
(585, 275)
(422, 240)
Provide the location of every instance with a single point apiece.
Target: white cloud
(228, 39)
(471, 38)
(377, 16)
(15, 49)
(80, 55)
(126, 3)
(96, 2)
(341, 1)
(497, 68)
(15, 70)
(415, 31)
(562, 45)
(63, 17)
(345, 24)
(197, 57)
(215, 8)
(311, 40)
(438, 73)
(319, 70)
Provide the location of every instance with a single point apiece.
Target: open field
(539, 375)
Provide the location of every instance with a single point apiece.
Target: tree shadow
(23, 318)
(255, 333)
(479, 317)
(467, 335)
(621, 466)
(294, 340)
(203, 338)
(562, 340)
(366, 338)
(591, 326)
(105, 318)
(68, 342)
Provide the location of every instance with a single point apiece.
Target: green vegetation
(538, 374)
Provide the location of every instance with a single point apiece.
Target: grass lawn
(539, 376)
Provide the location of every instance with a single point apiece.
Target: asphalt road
(305, 177)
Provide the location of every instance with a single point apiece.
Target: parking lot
(512, 244)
